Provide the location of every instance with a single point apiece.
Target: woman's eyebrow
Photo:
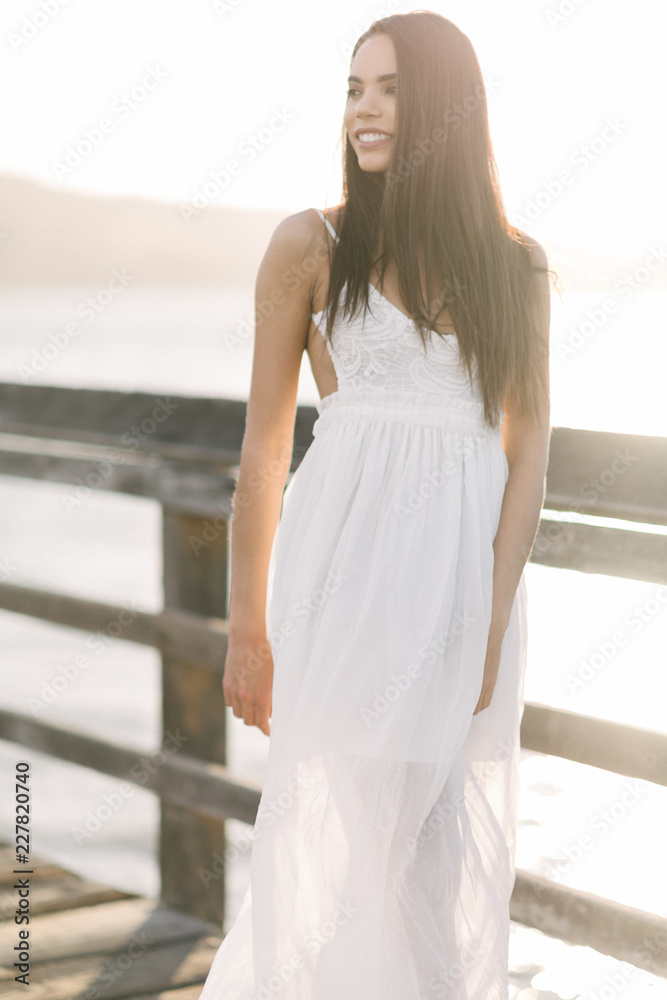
(381, 79)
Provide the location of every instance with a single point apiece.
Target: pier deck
(89, 941)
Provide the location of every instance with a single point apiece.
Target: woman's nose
(367, 105)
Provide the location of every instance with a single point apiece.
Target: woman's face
(370, 112)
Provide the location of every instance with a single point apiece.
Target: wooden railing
(184, 452)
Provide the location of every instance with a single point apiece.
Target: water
(582, 826)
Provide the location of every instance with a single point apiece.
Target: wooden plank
(63, 893)
(195, 580)
(130, 971)
(144, 421)
(613, 746)
(186, 485)
(42, 869)
(52, 888)
(608, 474)
(174, 632)
(187, 993)
(210, 789)
(103, 929)
(581, 918)
(605, 473)
(173, 426)
(592, 548)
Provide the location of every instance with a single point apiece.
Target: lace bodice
(383, 349)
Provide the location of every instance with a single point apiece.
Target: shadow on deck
(89, 941)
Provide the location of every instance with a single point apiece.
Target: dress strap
(327, 224)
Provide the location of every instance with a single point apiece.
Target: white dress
(382, 858)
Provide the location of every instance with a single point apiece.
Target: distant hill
(49, 235)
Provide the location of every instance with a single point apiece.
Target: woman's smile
(370, 139)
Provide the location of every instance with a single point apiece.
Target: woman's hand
(247, 681)
(491, 664)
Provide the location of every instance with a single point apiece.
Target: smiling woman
(373, 103)
(382, 627)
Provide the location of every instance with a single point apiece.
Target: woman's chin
(373, 164)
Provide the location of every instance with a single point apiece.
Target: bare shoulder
(294, 258)
(283, 306)
(538, 255)
(297, 233)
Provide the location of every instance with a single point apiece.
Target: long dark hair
(441, 195)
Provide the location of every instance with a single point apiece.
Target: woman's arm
(282, 309)
(526, 445)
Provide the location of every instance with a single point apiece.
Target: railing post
(195, 579)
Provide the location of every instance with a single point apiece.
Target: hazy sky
(161, 95)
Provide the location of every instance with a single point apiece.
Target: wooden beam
(210, 789)
(145, 421)
(173, 632)
(188, 484)
(612, 746)
(581, 918)
(605, 473)
(608, 474)
(593, 548)
(209, 429)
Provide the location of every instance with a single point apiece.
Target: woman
(382, 627)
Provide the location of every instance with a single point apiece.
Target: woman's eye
(391, 89)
